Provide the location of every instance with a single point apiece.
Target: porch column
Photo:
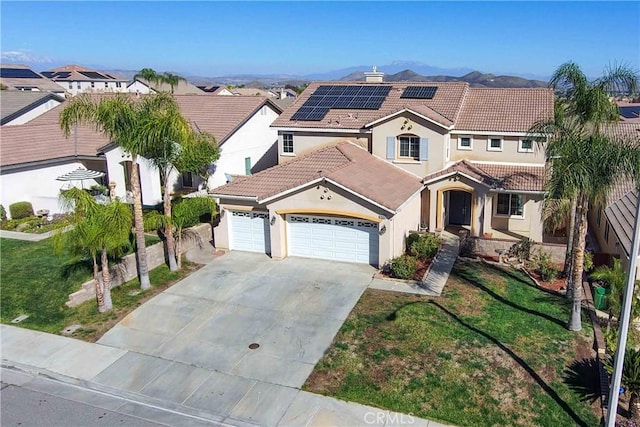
(433, 210)
(487, 213)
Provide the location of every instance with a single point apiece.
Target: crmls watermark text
(382, 418)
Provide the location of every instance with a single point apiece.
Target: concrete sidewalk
(173, 393)
(441, 268)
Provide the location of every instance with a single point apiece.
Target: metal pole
(625, 319)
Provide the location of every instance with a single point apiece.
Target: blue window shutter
(247, 165)
(391, 147)
(424, 148)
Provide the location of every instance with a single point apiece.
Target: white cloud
(23, 56)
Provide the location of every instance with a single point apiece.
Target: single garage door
(250, 231)
(333, 238)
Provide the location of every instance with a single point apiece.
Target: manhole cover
(254, 345)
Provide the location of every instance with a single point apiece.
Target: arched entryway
(459, 207)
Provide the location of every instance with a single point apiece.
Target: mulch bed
(423, 266)
(556, 285)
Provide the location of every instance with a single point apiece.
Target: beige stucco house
(412, 156)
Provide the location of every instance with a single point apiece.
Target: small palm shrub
(21, 210)
(423, 245)
(522, 249)
(630, 378)
(404, 266)
(542, 264)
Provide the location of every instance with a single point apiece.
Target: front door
(459, 208)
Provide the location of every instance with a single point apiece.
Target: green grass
(36, 282)
(493, 350)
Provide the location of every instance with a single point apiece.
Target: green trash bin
(600, 298)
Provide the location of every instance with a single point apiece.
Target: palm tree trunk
(179, 249)
(634, 406)
(573, 243)
(106, 282)
(572, 228)
(99, 287)
(168, 230)
(141, 250)
(575, 322)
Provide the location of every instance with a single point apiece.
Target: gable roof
(454, 103)
(344, 164)
(182, 88)
(40, 82)
(621, 215)
(498, 176)
(74, 73)
(15, 103)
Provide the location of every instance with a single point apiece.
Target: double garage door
(332, 238)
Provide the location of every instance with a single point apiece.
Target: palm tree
(630, 378)
(149, 75)
(102, 229)
(585, 162)
(172, 79)
(119, 117)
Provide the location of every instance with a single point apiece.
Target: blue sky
(216, 38)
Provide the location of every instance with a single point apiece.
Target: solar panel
(341, 96)
(48, 74)
(419, 92)
(18, 73)
(93, 75)
(630, 111)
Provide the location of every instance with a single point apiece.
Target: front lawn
(492, 350)
(36, 282)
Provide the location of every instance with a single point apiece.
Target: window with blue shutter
(247, 165)
(391, 147)
(424, 149)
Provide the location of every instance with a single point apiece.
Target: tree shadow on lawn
(582, 377)
(534, 375)
(509, 271)
(473, 282)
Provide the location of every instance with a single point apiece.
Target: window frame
(413, 142)
(286, 151)
(510, 205)
(521, 149)
(462, 147)
(490, 148)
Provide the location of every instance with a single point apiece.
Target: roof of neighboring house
(345, 164)
(221, 115)
(27, 78)
(15, 103)
(30, 143)
(621, 215)
(629, 111)
(213, 89)
(498, 176)
(182, 88)
(249, 91)
(75, 73)
(454, 103)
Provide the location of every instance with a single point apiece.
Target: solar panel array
(57, 74)
(93, 75)
(341, 97)
(630, 111)
(419, 92)
(18, 73)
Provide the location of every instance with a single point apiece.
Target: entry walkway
(441, 268)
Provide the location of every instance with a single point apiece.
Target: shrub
(587, 263)
(424, 246)
(404, 266)
(542, 264)
(522, 249)
(3, 213)
(21, 210)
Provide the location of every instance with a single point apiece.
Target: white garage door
(250, 231)
(333, 238)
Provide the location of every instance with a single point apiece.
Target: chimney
(373, 76)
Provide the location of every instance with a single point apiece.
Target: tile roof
(33, 143)
(344, 163)
(507, 110)
(73, 73)
(182, 88)
(454, 103)
(13, 103)
(496, 175)
(43, 84)
(621, 215)
(446, 103)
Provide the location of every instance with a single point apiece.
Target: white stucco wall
(33, 113)
(138, 87)
(38, 186)
(99, 86)
(149, 176)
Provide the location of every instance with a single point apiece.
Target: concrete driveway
(291, 308)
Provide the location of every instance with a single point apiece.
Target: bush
(587, 263)
(21, 210)
(404, 266)
(3, 213)
(423, 245)
(522, 249)
(542, 264)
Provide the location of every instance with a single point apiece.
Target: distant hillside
(475, 79)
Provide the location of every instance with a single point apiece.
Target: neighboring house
(76, 79)
(34, 155)
(621, 217)
(240, 125)
(362, 164)
(282, 93)
(19, 107)
(142, 86)
(23, 78)
(214, 90)
(629, 111)
(250, 91)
